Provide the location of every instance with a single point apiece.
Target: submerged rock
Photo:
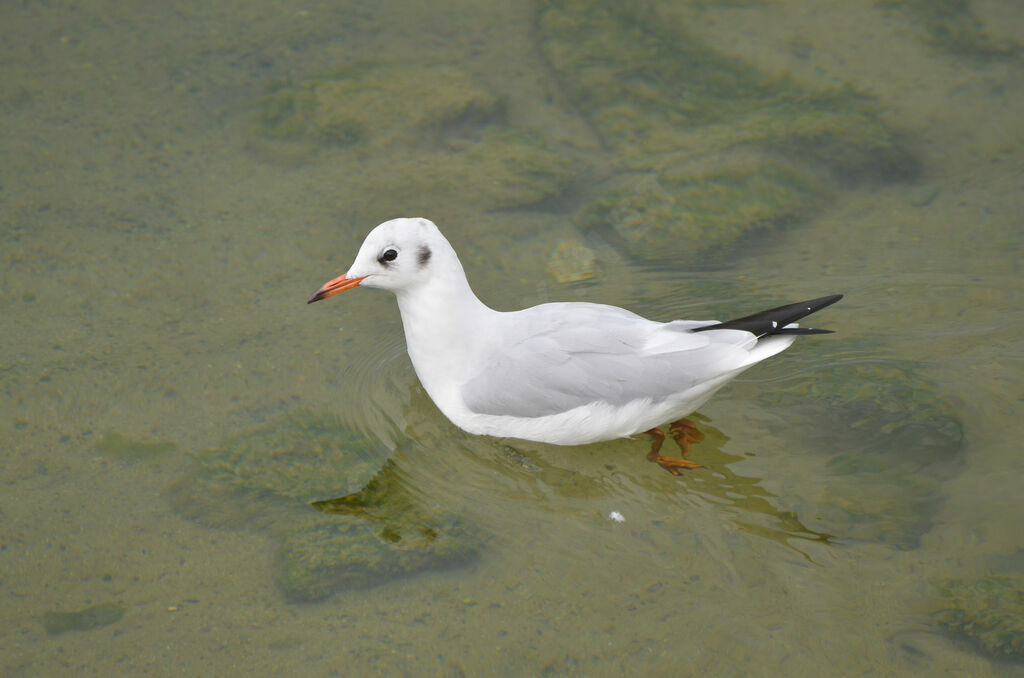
(951, 26)
(375, 104)
(375, 534)
(752, 147)
(650, 86)
(451, 140)
(92, 617)
(890, 440)
(572, 261)
(267, 480)
(303, 457)
(692, 213)
(114, 444)
(988, 612)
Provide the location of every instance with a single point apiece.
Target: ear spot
(423, 256)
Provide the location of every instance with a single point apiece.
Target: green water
(176, 180)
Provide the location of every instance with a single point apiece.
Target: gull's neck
(446, 326)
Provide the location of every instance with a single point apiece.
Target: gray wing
(555, 357)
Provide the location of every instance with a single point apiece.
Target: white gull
(564, 373)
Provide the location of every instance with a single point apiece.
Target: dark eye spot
(387, 255)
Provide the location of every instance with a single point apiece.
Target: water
(158, 249)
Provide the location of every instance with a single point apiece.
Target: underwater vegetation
(889, 441)
(360, 104)
(113, 444)
(988, 612)
(449, 133)
(699, 150)
(701, 211)
(711, 148)
(281, 478)
(951, 26)
(92, 617)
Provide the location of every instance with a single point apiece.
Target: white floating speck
(617, 517)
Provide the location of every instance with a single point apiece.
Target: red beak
(331, 287)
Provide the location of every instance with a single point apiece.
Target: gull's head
(397, 255)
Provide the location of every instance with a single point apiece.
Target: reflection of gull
(562, 373)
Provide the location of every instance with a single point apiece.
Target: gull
(568, 373)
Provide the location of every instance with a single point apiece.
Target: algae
(406, 540)
(375, 104)
(93, 617)
(452, 140)
(700, 150)
(700, 212)
(898, 415)
(113, 444)
(988, 612)
(572, 261)
(279, 479)
(501, 168)
(889, 440)
(951, 26)
(296, 458)
(754, 147)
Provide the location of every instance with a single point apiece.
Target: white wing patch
(596, 353)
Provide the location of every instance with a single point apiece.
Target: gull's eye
(388, 255)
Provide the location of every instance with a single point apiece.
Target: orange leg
(670, 464)
(685, 432)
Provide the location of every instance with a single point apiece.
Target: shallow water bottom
(155, 270)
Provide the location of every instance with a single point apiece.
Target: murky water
(176, 180)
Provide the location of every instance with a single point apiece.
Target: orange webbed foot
(685, 433)
(670, 464)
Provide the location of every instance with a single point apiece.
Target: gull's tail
(777, 320)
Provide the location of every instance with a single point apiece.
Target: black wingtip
(803, 330)
(774, 320)
(822, 302)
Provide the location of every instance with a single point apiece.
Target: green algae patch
(378, 532)
(89, 619)
(892, 408)
(889, 441)
(758, 150)
(951, 26)
(498, 168)
(519, 168)
(987, 612)
(697, 211)
(375, 104)
(279, 479)
(303, 457)
(428, 133)
(571, 260)
(651, 86)
(113, 444)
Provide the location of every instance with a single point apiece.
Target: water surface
(158, 245)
